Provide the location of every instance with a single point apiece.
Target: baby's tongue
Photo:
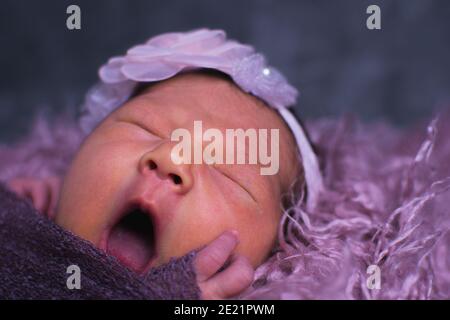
(133, 248)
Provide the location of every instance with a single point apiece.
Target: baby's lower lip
(132, 241)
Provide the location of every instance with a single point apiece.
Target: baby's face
(124, 193)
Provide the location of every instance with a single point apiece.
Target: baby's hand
(235, 276)
(43, 193)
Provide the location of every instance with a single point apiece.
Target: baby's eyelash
(140, 126)
(236, 182)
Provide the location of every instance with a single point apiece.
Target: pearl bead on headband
(166, 55)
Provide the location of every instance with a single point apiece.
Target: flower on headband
(253, 75)
(168, 54)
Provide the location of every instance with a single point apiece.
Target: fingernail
(235, 234)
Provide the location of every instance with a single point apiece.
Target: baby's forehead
(212, 98)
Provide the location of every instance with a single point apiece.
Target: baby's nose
(160, 162)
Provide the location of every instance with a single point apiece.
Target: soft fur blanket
(386, 204)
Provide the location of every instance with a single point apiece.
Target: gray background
(400, 73)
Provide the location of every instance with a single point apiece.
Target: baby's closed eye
(141, 126)
(236, 181)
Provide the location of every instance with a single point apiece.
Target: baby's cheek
(90, 190)
(199, 222)
(191, 228)
(257, 239)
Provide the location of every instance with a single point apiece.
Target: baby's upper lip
(145, 205)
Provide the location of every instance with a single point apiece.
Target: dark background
(400, 73)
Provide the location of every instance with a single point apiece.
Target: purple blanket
(35, 254)
(386, 204)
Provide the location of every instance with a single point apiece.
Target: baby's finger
(209, 260)
(54, 187)
(231, 281)
(17, 186)
(39, 195)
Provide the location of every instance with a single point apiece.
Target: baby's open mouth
(132, 239)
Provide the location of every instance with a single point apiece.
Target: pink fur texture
(386, 203)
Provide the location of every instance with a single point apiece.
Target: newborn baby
(124, 193)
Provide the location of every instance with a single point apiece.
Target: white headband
(166, 55)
